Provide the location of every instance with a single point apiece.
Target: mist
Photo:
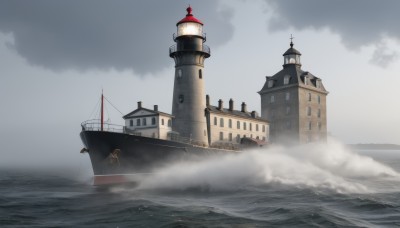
(329, 166)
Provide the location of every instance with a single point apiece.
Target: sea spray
(324, 166)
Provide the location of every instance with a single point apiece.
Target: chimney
(254, 114)
(156, 108)
(207, 100)
(244, 108)
(220, 104)
(139, 104)
(231, 105)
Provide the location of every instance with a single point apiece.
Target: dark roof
(148, 110)
(237, 113)
(291, 51)
(296, 78)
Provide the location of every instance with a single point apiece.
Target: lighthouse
(188, 103)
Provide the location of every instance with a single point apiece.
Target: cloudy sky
(57, 56)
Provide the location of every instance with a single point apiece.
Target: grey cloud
(358, 22)
(101, 34)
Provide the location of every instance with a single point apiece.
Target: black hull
(138, 155)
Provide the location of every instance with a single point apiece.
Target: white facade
(148, 123)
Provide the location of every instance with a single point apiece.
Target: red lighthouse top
(189, 17)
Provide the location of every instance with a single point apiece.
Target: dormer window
(286, 79)
(270, 83)
(305, 80)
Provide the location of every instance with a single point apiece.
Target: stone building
(294, 103)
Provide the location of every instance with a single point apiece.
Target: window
(286, 80)
(244, 126)
(272, 114)
(288, 125)
(137, 122)
(200, 74)
(287, 97)
(270, 83)
(181, 98)
(230, 137)
(250, 126)
(153, 121)
(319, 99)
(263, 128)
(309, 125)
(305, 81)
(221, 122)
(308, 111)
(144, 122)
(238, 125)
(287, 110)
(309, 96)
(256, 127)
(272, 99)
(238, 138)
(131, 123)
(319, 125)
(263, 138)
(319, 113)
(215, 121)
(162, 121)
(169, 123)
(221, 136)
(258, 137)
(318, 84)
(230, 123)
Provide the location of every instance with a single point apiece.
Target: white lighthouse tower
(188, 103)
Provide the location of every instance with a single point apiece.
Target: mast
(102, 110)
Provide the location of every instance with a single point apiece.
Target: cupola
(291, 56)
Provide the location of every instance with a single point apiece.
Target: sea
(313, 185)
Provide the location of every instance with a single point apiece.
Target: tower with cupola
(294, 102)
(188, 103)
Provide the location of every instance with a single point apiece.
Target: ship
(151, 140)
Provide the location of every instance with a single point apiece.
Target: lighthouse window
(137, 122)
(144, 122)
(181, 98)
(153, 121)
(131, 123)
(200, 74)
(215, 121)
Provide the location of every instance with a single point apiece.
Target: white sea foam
(325, 166)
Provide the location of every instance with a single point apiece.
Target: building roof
(152, 112)
(189, 17)
(297, 76)
(292, 51)
(225, 111)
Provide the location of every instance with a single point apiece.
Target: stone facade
(294, 102)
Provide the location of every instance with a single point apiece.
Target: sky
(57, 56)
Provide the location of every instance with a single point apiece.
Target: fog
(329, 166)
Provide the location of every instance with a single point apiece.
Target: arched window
(153, 121)
(200, 74)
